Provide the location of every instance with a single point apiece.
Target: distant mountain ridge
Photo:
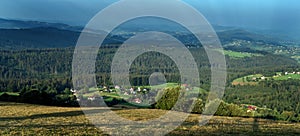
(15, 34)
(19, 24)
(37, 38)
(240, 34)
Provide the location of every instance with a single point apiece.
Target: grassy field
(234, 54)
(9, 93)
(26, 119)
(243, 81)
(286, 77)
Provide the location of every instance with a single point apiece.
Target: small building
(286, 73)
(137, 100)
(91, 98)
(251, 108)
(117, 87)
(131, 90)
(73, 90)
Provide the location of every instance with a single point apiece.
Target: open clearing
(234, 54)
(287, 77)
(255, 79)
(26, 119)
(243, 80)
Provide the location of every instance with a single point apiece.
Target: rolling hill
(19, 24)
(48, 120)
(37, 38)
(17, 34)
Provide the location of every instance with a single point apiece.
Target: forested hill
(37, 38)
(20, 24)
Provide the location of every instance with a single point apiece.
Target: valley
(261, 95)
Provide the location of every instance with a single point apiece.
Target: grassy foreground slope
(25, 119)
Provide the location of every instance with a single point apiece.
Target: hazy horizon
(269, 15)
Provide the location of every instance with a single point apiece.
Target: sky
(263, 14)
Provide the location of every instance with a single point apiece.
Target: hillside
(25, 119)
(20, 24)
(17, 34)
(37, 38)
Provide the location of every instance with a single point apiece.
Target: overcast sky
(276, 14)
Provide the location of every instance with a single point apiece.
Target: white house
(117, 87)
(91, 98)
(73, 90)
(137, 100)
(131, 90)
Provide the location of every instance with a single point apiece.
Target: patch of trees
(46, 92)
(179, 99)
(281, 96)
(245, 49)
(171, 96)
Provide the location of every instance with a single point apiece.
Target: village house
(137, 100)
(293, 73)
(132, 90)
(92, 98)
(73, 90)
(117, 87)
(251, 108)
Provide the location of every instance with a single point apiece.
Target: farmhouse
(137, 100)
(117, 87)
(251, 108)
(92, 98)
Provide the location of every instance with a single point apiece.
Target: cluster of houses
(131, 91)
(259, 78)
(134, 92)
(277, 75)
(250, 108)
(292, 73)
(287, 73)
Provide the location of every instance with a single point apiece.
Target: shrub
(171, 96)
(198, 107)
(287, 115)
(168, 98)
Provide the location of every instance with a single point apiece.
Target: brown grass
(244, 83)
(26, 119)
